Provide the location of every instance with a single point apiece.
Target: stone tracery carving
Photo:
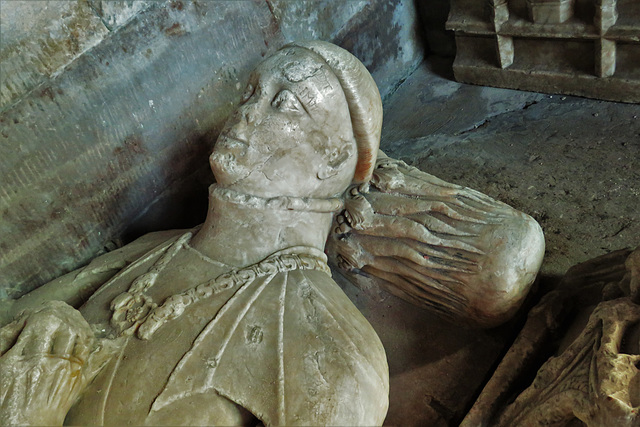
(253, 278)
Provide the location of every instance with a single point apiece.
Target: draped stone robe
(278, 338)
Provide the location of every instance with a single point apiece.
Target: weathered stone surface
(117, 130)
(38, 39)
(313, 20)
(385, 36)
(554, 52)
(115, 13)
(550, 12)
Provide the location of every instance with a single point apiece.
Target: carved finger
(403, 179)
(392, 175)
(63, 390)
(51, 391)
(400, 205)
(467, 262)
(431, 297)
(424, 177)
(6, 384)
(443, 278)
(420, 276)
(342, 229)
(417, 224)
(342, 224)
(481, 201)
(363, 248)
(10, 399)
(32, 382)
(405, 228)
(424, 186)
(425, 181)
(442, 224)
(406, 248)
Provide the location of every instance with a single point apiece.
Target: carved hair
(363, 99)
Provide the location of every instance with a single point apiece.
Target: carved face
(292, 134)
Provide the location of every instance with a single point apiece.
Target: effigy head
(308, 126)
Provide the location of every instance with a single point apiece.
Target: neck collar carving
(289, 203)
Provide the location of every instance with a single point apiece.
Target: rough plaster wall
(109, 111)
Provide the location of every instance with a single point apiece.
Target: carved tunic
(280, 339)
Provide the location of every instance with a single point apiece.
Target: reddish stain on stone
(175, 30)
(47, 92)
(133, 144)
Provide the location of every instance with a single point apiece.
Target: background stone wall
(109, 109)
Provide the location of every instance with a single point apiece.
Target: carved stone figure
(238, 320)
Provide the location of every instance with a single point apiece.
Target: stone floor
(571, 163)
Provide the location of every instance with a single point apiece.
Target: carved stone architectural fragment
(579, 47)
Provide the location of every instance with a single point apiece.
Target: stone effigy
(239, 320)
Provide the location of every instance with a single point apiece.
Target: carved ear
(338, 156)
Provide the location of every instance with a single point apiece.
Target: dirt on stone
(571, 163)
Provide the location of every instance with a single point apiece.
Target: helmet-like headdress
(363, 99)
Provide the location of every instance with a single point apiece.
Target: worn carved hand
(44, 358)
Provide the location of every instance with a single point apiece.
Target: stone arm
(48, 352)
(47, 357)
(470, 258)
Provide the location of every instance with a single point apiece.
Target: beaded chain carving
(135, 312)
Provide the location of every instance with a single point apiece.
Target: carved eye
(285, 100)
(248, 92)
